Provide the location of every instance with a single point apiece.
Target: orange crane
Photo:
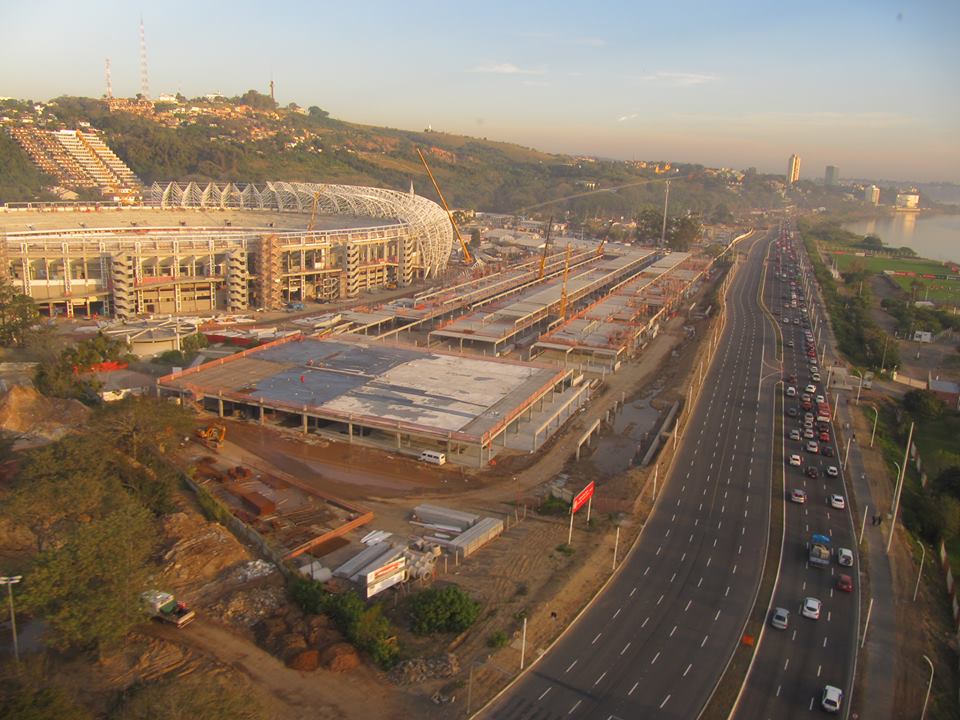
(563, 293)
(603, 238)
(313, 212)
(546, 244)
(467, 257)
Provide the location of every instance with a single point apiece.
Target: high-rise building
(831, 177)
(793, 169)
(871, 194)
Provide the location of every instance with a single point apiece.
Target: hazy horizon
(865, 87)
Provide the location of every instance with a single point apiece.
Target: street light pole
(883, 360)
(860, 386)
(876, 416)
(923, 556)
(896, 496)
(929, 687)
(10, 581)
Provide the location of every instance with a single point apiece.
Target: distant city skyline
(689, 82)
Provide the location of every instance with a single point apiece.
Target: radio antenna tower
(144, 76)
(109, 83)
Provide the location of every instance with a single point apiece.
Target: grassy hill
(249, 139)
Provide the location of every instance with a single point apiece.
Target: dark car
(826, 451)
(845, 583)
(812, 472)
(792, 411)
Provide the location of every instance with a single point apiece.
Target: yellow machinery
(467, 257)
(563, 293)
(546, 244)
(212, 436)
(603, 238)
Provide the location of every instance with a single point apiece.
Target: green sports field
(941, 291)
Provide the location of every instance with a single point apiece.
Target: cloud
(675, 79)
(624, 118)
(507, 69)
(590, 41)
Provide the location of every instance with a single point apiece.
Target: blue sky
(869, 86)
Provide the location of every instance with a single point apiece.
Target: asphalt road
(656, 642)
(792, 666)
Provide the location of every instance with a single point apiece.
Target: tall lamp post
(10, 581)
(860, 386)
(929, 687)
(876, 416)
(896, 495)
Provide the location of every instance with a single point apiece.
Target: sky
(869, 86)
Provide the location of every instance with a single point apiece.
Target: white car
(812, 446)
(791, 391)
(811, 608)
(780, 618)
(795, 435)
(832, 698)
(811, 389)
(845, 557)
(821, 399)
(815, 376)
(832, 471)
(808, 434)
(798, 496)
(837, 501)
(795, 460)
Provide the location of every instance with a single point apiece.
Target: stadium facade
(274, 244)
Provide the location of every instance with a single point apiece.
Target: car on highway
(795, 434)
(845, 557)
(792, 411)
(815, 376)
(824, 436)
(831, 699)
(790, 343)
(795, 460)
(812, 472)
(806, 397)
(808, 423)
(821, 399)
(809, 434)
(832, 471)
(780, 618)
(837, 502)
(791, 391)
(812, 446)
(810, 389)
(798, 496)
(845, 583)
(810, 608)
(827, 451)
(796, 321)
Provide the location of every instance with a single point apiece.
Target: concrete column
(398, 441)
(220, 405)
(304, 419)
(261, 412)
(350, 431)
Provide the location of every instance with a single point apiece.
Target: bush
(564, 549)
(552, 505)
(364, 626)
(446, 609)
(497, 640)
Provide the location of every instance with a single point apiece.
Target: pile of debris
(37, 418)
(248, 607)
(198, 552)
(306, 644)
(418, 670)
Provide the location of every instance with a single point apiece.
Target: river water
(932, 236)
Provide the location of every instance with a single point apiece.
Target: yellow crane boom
(467, 257)
(546, 244)
(563, 293)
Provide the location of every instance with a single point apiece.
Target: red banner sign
(581, 498)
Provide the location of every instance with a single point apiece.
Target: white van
(433, 457)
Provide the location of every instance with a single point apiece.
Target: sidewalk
(867, 477)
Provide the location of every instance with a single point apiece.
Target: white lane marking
(575, 706)
(632, 592)
(544, 693)
(727, 592)
(819, 668)
(655, 658)
(633, 688)
(689, 603)
(645, 621)
(687, 670)
(824, 642)
(660, 600)
(701, 582)
(683, 557)
(828, 616)
(664, 702)
(673, 631)
(624, 648)
(646, 571)
(616, 613)
(600, 678)
(571, 666)
(786, 664)
(704, 642)
(778, 690)
(596, 638)
(673, 577)
(717, 616)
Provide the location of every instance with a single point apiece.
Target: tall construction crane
(563, 293)
(603, 237)
(313, 211)
(546, 244)
(467, 257)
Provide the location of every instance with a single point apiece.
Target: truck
(165, 607)
(819, 550)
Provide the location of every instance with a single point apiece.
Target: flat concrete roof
(375, 384)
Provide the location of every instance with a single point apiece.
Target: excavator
(468, 259)
(212, 436)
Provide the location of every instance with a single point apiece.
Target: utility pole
(666, 204)
(10, 581)
(896, 496)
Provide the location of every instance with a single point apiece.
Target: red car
(825, 436)
(807, 405)
(845, 583)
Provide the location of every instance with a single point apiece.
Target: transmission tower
(109, 83)
(144, 76)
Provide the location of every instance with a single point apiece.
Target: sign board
(581, 497)
(387, 582)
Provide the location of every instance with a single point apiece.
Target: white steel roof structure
(427, 222)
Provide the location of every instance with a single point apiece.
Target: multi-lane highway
(656, 642)
(793, 665)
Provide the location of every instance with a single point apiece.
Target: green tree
(923, 404)
(446, 609)
(948, 482)
(190, 698)
(88, 589)
(27, 692)
(257, 100)
(683, 232)
(872, 242)
(18, 314)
